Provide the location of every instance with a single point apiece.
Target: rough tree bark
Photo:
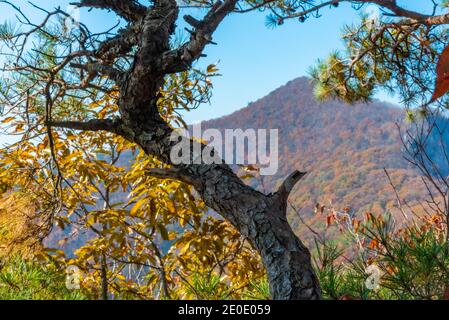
(261, 218)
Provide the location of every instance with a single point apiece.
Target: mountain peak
(343, 147)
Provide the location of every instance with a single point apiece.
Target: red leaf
(348, 297)
(446, 294)
(442, 81)
(330, 220)
(374, 244)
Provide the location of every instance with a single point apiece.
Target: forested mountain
(344, 148)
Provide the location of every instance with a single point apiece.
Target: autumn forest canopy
(95, 204)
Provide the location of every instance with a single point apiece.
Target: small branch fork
(181, 59)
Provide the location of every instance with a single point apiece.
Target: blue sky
(254, 60)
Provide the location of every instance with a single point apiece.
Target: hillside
(344, 148)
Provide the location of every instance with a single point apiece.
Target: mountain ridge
(344, 148)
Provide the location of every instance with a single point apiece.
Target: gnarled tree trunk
(261, 218)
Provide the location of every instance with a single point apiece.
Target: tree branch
(172, 173)
(181, 59)
(108, 71)
(128, 9)
(110, 125)
(119, 45)
(412, 17)
(289, 183)
(397, 10)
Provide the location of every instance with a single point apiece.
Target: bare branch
(289, 183)
(305, 9)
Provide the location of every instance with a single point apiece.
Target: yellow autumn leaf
(139, 204)
(7, 120)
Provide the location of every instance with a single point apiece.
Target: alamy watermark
(73, 277)
(373, 280)
(73, 19)
(234, 147)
